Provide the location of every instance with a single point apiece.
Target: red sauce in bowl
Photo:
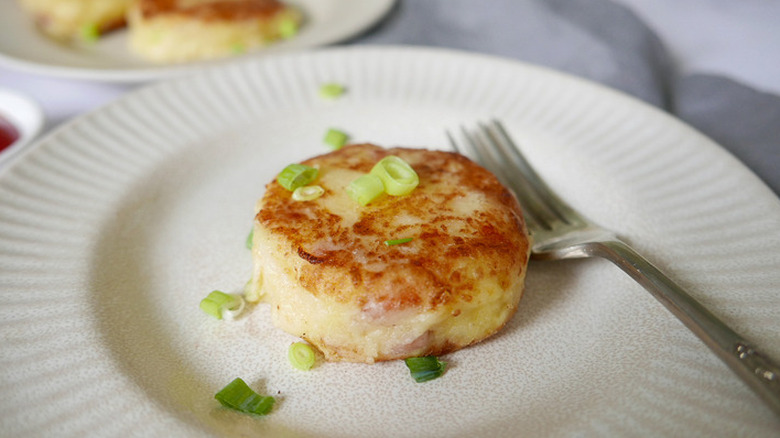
(8, 133)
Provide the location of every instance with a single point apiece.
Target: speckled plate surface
(24, 48)
(113, 228)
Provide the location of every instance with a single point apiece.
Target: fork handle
(755, 368)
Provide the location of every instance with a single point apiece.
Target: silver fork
(560, 232)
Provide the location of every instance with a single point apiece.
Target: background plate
(113, 227)
(23, 47)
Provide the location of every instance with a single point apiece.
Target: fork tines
(491, 146)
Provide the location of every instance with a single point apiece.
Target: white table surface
(736, 39)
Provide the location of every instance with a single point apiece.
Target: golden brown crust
(43, 21)
(344, 259)
(210, 10)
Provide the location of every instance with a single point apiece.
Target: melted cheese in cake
(329, 278)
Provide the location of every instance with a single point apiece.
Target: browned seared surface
(211, 9)
(349, 262)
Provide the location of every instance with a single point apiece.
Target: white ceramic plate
(23, 47)
(114, 227)
(24, 114)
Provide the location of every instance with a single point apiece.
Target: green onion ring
(250, 238)
(397, 175)
(331, 90)
(239, 396)
(301, 356)
(90, 32)
(307, 193)
(335, 138)
(365, 189)
(296, 175)
(219, 304)
(425, 368)
(288, 28)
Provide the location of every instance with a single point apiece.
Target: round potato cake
(330, 277)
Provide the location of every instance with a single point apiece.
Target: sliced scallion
(307, 193)
(296, 175)
(90, 32)
(331, 90)
(301, 356)
(335, 139)
(398, 241)
(397, 175)
(252, 292)
(365, 188)
(219, 304)
(232, 312)
(425, 368)
(288, 28)
(239, 396)
(250, 239)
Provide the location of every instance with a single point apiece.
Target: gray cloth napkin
(605, 42)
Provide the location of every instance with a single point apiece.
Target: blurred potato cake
(329, 276)
(173, 31)
(71, 19)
